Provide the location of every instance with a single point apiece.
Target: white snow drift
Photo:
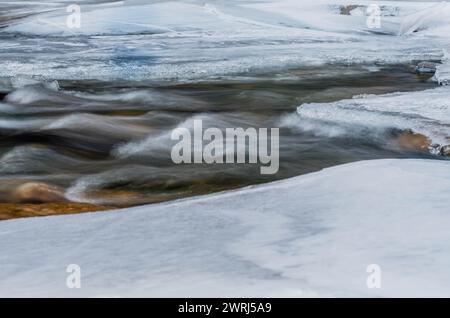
(312, 235)
(197, 40)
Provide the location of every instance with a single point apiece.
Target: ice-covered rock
(426, 67)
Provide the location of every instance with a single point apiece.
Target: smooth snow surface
(200, 40)
(312, 235)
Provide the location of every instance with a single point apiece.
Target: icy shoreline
(312, 235)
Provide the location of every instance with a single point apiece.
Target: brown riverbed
(20, 210)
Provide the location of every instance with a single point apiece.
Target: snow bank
(426, 112)
(128, 17)
(211, 38)
(434, 20)
(312, 235)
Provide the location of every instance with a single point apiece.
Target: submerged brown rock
(37, 192)
(33, 198)
(19, 210)
(413, 141)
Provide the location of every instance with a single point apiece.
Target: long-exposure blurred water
(109, 142)
(91, 110)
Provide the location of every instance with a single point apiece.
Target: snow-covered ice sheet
(426, 112)
(312, 235)
(197, 40)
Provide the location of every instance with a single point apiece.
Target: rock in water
(413, 141)
(347, 9)
(38, 192)
(445, 150)
(435, 149)
(426, 67)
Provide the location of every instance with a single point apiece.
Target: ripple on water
(109, 143)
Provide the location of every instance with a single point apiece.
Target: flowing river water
(86, 118)
(109, 142)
